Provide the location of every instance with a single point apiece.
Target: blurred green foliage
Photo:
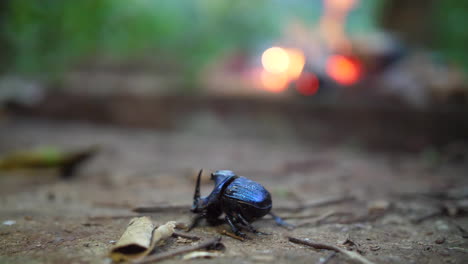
(45, 37)
(450, 32)
(48, 34)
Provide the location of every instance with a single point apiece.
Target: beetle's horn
(196, 196)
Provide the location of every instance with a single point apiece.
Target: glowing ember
(343, 70)
(274, 82)
(307, 84)
(296, 63)
(275, 60)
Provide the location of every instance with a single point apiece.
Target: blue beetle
(240, 199)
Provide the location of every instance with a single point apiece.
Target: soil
(386, 195)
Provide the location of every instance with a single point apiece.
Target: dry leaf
(139, 240)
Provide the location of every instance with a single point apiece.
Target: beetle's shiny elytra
(240, 199)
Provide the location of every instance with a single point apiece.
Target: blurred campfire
(351, 82)
(326, 60)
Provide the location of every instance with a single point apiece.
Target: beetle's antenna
(196, 196)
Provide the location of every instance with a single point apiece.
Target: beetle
(241, 200)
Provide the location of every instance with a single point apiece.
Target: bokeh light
(274, 82)
(341, 4)
(296, 63)
(344, 70)
(307, 84)
(275, 60)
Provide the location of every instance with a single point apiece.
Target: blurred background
(107, 105)
(93, 60)
(388, 76)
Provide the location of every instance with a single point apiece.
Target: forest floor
(390, 207)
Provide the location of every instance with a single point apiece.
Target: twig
(462, 230)
(305, 216)
(229, 234)
(464, 250)
(158, 257)
(321, 219)
(112, 204)
(326, 215)
(424, 217)
(353, 219)
(161, 209)
(350, 254)
(450, 194)
(327, 258)
(316, 203)
(110, 217)
(177, 234)
(362, 218)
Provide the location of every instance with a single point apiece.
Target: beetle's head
(197, 201)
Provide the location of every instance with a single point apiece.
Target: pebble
(440, 240)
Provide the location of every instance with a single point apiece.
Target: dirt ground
(386, 196)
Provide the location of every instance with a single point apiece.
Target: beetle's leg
(195, 221)
(281, 222)
(231, 221)
(249, 226)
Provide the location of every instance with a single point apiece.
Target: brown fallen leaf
(139, 239)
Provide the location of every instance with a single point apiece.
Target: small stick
(325, 216)
(112, 204)
(349, 254)
(177, 234)
(229, 234)
(463, 231)
(286, 217)
(316, 203)
(110, 217)
(158, 257)
(161, 209)
(362, 218)
(427, 216)
(322, 218)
